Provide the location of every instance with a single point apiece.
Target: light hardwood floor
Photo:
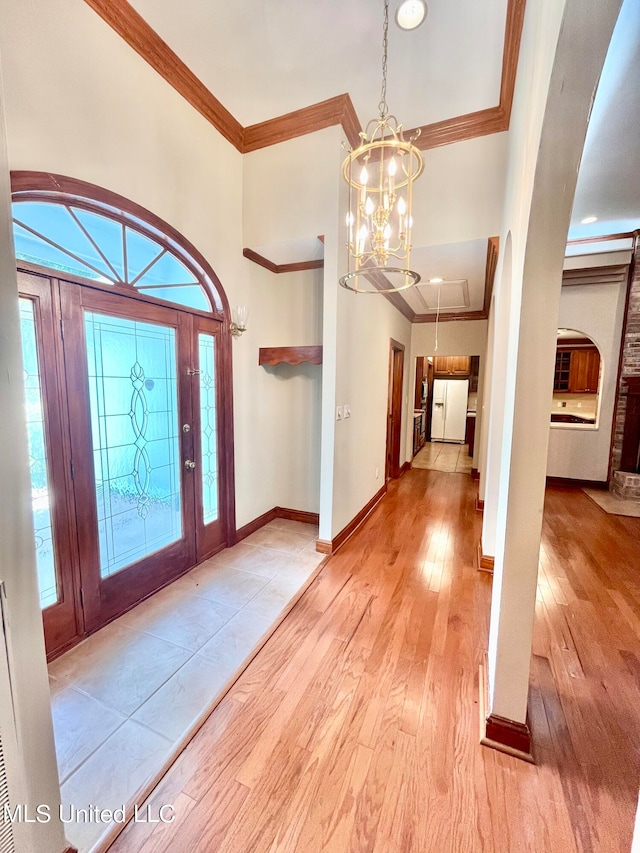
(356, 726)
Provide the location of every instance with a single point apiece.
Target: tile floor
(124, 698)
(443, 456)
(614, 504)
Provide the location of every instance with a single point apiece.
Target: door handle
(188, 463)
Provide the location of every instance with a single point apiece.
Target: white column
(29, 701)
(539, 236)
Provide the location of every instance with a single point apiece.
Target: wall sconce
(239, 322)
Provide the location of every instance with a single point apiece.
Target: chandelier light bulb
(369, 208)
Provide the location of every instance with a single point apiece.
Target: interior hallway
(356, 726)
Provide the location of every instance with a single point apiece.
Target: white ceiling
(264, 58)
(609, 178)
(455, 263)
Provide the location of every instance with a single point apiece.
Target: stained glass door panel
(128, 364)
(135, 435)
(40, 490)
(208, 406)
(54, 527)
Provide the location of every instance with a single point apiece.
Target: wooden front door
(128, 449)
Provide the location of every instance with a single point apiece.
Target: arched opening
(576, 380)
(127, 360)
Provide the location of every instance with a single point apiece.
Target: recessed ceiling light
(588, 220)
(410, 14)
(436, 280)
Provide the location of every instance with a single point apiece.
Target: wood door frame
(394, 409)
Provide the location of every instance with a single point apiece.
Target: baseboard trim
(70, 850)
(479, 505)
(500, 733)
(256, 524)
(323, 546)
(297, 515)
(484, 562)
(271, 515)
(569, 483)
(406, 467)
(475, 474)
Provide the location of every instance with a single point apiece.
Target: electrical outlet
(339, 413)
(347, 411)
(377, 473)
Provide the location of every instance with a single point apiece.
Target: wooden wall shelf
(289, 355)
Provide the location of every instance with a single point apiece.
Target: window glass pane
(108, 235)
(54, 222)
(97, 240)
(208, 435)
(167, 270)
(45, 558)
(141, 251)
(191, 296)
(36, 251)
(134, 415)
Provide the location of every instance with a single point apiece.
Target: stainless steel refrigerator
(449, 413)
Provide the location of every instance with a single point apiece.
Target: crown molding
(296, 266)
(131, 26)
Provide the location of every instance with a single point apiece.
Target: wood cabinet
(451, 365)
(418, 431)
(577, 371)
(584, 372)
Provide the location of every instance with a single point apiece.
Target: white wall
(28, 699)
(597, 310)
(366, 325)
(281, 428)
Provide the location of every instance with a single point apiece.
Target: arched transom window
(112, 247)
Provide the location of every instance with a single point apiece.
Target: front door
(130, 446)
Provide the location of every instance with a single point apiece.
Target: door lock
(186, 428)
(188, 463)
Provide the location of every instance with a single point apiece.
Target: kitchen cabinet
(418, 431)
(584, 373)
(577, 371)
(452, 365)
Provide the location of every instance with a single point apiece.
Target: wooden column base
(484, 562)
(479, 505)
(500, 733)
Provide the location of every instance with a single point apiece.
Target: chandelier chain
(382, 106)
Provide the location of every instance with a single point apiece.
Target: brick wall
(630, 360)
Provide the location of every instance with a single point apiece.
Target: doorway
(122, 401)
(394, 409)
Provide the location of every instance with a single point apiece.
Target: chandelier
(380, 173)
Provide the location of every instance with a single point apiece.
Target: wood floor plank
(355, 728)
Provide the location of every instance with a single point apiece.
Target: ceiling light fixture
(436, 280)
(588, 220)
(380, 173)
(410, 14)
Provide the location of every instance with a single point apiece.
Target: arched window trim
(58, 189)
